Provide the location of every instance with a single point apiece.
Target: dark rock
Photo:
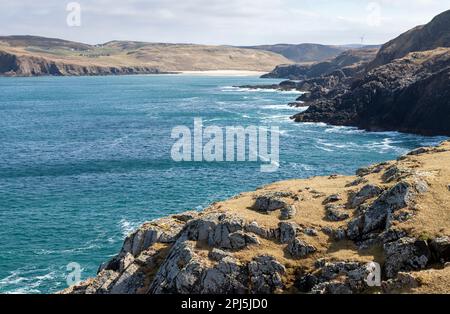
(288, 231)
(405, 254)
(299, 249)
(367, 192)
(288, 212)
(332, 198)
(269, 202)
(265, 274)
(440, 248)
(334, 213)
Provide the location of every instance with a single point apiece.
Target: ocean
(85, 160)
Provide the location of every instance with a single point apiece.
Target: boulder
(300, 249)
(265, 274)
(405, 254)
(332, 199)
(269, 202)
(266, 233)
(288, 231)
(217, 254)
(377, 215)
(367, 192)
(342, 277)
(288, 212)
(403, 281)
(240, 240)
(440, 248)
(334, 213)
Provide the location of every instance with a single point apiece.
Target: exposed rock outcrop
(409, 94)
(386, 234)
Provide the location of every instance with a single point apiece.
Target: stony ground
(302, 236)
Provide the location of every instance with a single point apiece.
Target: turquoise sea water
(85, 160)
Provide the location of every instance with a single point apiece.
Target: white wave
(259, 90)
(386, 145)
(344, 130)
(27, 280)
(276, 118)
(324, 148)
(128, 227)
(280, 107)
(321, 124)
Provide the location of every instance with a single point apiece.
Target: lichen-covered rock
(367, 192)
(395, 173)
(334, 213)
(288, 231)
(265, 274)
(300, 249)
(402, 282)
(218, 254)
(288, 212)
(362, 172)
(440, 248)
(338, 234)
(332, 199)
(214, 229)
(240, 240)
(163, 230)
(310, 232)
(405, 254)
(266, 233)
(344, 277)
(377, 215)
(269, 202)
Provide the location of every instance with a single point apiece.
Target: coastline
(222, 73)
(313, 235)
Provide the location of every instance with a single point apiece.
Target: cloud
(238, 22)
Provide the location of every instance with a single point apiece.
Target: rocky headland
(316, 235)
(38, 56)
(403, 87)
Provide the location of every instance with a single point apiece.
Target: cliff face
(301, 236)
(13, 65)
(409, 94)
(30, 56)
(426, 37)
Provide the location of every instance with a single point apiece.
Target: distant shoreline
(222, 73)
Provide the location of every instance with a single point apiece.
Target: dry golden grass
(165, 57)
(431, 216)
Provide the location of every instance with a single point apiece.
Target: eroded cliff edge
(301, 236)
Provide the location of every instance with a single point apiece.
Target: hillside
(350, 62)
(410, 94)
(303, 53)
(29, 56)
(425, 37)
(314, 235)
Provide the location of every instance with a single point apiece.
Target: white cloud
(238, 22)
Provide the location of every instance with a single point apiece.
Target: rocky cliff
(411, 94)
(425, 37)
(16, 65)
(31, 56)
(317, 235)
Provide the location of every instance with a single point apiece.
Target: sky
(226, 22)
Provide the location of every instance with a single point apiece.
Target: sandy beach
(222, 73)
